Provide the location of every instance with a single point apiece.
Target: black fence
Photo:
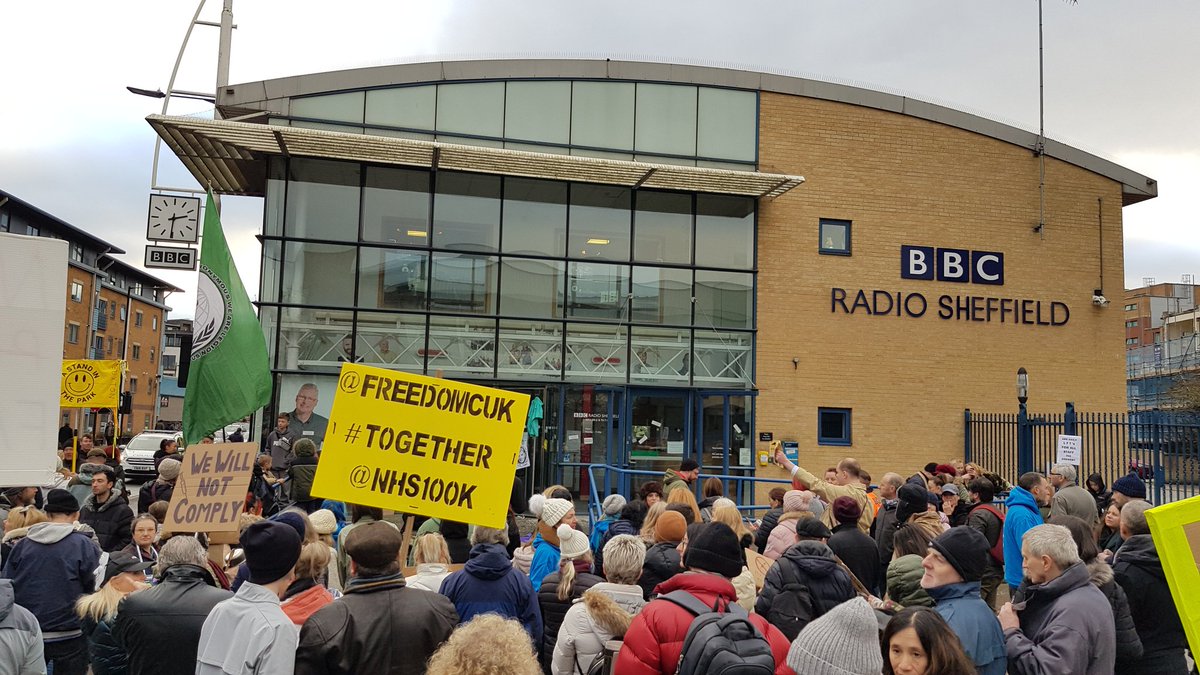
(1161, 447)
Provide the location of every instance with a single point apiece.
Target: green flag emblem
(230, 376)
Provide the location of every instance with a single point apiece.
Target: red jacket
(655, 638)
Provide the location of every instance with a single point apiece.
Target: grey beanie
(844, 641)
(613, 505)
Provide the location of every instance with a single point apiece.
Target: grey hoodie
(20, 637)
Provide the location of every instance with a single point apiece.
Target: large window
(535, 217)
(322, 200)
(396, 206)
(481, 276)
(724, 232)
(662, 123)
(466, 212)
(600, 219)
(662, 227)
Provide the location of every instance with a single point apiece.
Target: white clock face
(173, 218)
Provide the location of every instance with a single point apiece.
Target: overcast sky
(1120, 82)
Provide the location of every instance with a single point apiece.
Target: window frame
(76, 291)
(848, 224)
(137, 318)
(848, 438)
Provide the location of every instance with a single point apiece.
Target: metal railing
(1160, 447)
(604, 478)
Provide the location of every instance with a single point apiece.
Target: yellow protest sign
(421, 445)
(211, 489)
(1176, 531)
(90, 384)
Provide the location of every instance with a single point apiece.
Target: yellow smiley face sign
(90, 384)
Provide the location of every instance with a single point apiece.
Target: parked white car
(137, 457)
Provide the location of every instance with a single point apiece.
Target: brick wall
(903, 180)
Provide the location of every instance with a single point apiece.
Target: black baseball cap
(119, 563)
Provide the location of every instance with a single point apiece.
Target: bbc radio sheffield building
(676, 260)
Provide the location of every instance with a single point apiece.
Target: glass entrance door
(658, 433)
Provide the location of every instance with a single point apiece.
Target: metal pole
(1024, 441)
(170, 88)
(225, 43)
(1041, 139)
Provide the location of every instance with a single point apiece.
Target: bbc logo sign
(957, 265)
(170, 258)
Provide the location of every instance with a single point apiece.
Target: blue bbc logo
(957, 265)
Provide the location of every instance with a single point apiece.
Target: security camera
(1099, 300)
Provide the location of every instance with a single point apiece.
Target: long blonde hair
(652, 515)
(731, 517)
(24, 516)
(102, 605)
(566, 575)
(682, 495)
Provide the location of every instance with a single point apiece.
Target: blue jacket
(974, 623)
(489, 583)
(58, 552)
(1022, 516)
(616, 528)
(598, 531)
(545, 562)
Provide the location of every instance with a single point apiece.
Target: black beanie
(715, 548)
(913, 499)
(272, 549)
(966, 549)
(61, 501)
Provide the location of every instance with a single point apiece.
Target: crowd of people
(907, 576)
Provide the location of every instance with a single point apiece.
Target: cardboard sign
(1070, 448)
(421, 445)
(90, 384)
(211, 490)
(1176, 531)
(759, 564)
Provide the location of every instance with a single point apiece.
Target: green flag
(230, 376)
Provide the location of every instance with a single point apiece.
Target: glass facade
(630, 312)
(500, 278)
(643, 121)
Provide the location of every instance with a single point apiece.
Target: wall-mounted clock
(173, 218)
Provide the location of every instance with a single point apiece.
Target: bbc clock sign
(170, 258)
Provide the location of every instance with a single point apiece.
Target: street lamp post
(1024, 428)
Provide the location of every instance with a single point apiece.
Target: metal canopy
(231, 157)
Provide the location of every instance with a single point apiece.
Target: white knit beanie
(572, 543)
(844, 641)
(550, 511)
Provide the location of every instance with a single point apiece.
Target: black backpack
(721, 643)
(794, 606)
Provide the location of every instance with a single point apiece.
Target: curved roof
(273, 95)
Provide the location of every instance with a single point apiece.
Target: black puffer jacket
(110, 520)
(158, 491)
(105, 655)
(1139, 572)
(555, 610)
(769, 520)
(618, 527)
(662, 563)
(160, 627)
(828, 583)
(859, 553)
(1129, 645)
